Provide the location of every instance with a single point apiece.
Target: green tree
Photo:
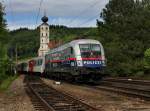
(3, 31)
(27, 40)
(3, 45)
(147, 59)
(125, 34)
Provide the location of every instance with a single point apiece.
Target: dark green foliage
(3, 31)
(147, 60)
(2, 21)
(27, 41)
(125, 34)
(4, 63)
(4, 60)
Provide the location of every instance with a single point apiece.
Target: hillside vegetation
(3, 46)
(5, 63)
(124, 33)
(27, 41)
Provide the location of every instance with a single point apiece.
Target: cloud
(57, 21)
(59, 11)
(16, 26)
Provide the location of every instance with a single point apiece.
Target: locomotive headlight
(79, 63)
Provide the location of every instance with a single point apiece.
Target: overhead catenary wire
(84, 11)
(39, 10)
(88, 20)
(11, 12)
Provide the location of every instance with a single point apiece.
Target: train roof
(83, 41)
(73, 43)
(34, 58)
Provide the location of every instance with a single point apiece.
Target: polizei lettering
(91, 62)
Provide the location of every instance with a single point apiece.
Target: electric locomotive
(78, 60)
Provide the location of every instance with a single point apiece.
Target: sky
(71, 13)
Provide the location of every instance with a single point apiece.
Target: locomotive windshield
(90, 50)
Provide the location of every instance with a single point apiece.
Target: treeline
(125, 34)
(5, 62)
(25, 42)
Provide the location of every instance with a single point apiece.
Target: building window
(46, 28)
(46, 34)
(42, 34)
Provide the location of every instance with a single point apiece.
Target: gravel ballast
(101, 99)
(15, 98)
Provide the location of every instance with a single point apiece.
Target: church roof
(44, 24)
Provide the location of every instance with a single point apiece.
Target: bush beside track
(4, 84)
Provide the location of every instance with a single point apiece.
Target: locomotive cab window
(90, 50)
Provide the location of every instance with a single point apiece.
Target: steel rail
(137, 89)
(55, 100)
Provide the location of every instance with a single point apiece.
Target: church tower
(44, 37)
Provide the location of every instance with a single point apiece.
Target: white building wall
(44, 39)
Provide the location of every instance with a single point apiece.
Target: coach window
(40, 62)
(46, 57)
(36, 63)
(71, 50)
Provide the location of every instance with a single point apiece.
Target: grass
(7, 82)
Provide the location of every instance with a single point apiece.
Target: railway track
(49, 99)
(133, 88)
(131, 81)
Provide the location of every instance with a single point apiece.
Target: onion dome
(44, 19)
